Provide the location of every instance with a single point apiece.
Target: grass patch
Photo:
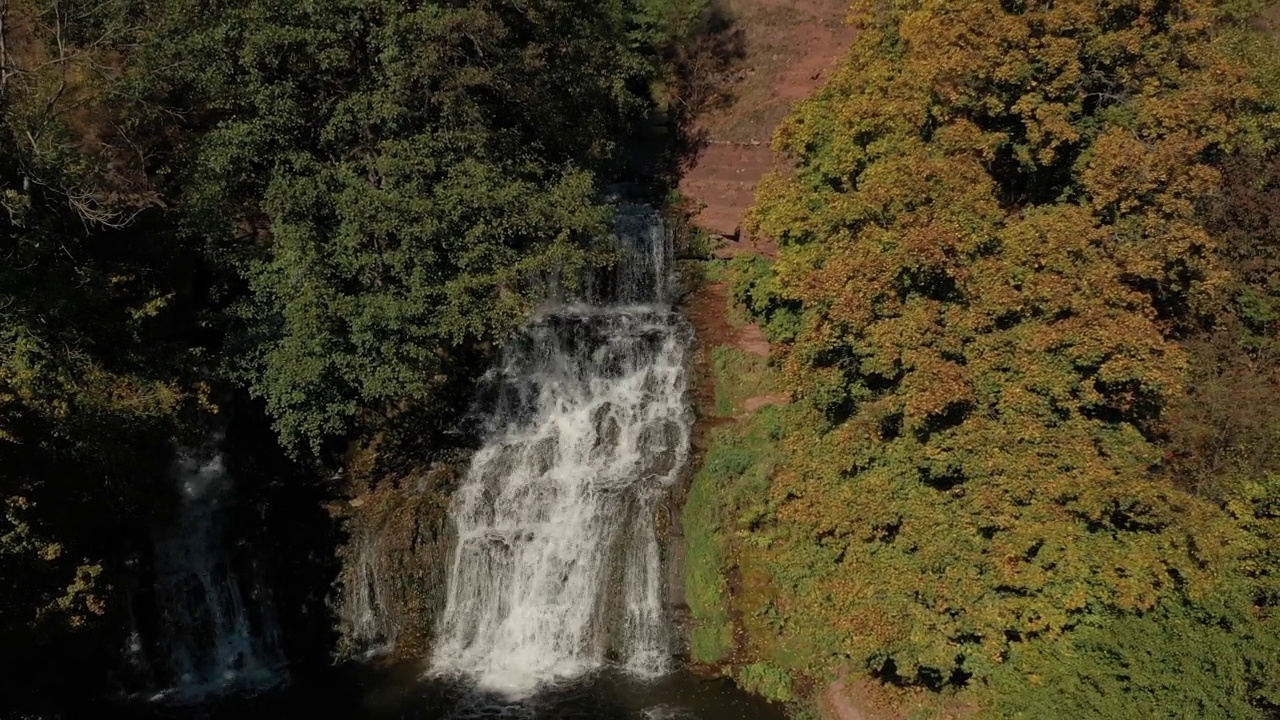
(711, 642)
(726, 492)
(706, 590)
(738, 376)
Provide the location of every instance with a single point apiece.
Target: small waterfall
(557, 567)
(369, 624)
(217, 631)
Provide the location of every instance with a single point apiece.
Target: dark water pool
(400, 692)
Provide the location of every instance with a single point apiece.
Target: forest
(1026, 308)
(327, 214)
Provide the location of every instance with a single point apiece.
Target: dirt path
(707, 309)
(790, 47)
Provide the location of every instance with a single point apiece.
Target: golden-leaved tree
(992, 238)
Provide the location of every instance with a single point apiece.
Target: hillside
(788, 50)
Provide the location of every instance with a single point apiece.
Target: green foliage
(1175, 661)
(661, 22)
(706, 590)
(738, 376)
(341, 206)
(755, 288)
(1001, 221)
(711, 640)
(724, 502)
(395, 193)
(767, 681)
(700, 245)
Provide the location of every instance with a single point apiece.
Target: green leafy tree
(390, 181)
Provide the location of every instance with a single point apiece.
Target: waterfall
(556, 568)
(217, 632)
(367, 597)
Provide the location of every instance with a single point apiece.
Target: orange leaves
(951, 40)
(990, 234)
(1119, 175)
(935, 387)
(1125, 173)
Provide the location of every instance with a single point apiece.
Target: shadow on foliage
(290, 536)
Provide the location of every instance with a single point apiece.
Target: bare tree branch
(113, 196)
(4, 49)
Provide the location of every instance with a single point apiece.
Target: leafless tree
(50, 83)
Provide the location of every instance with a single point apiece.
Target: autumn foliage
(997, 238)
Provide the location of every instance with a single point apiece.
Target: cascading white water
(557, 564)
(215, 635)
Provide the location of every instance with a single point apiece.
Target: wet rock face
(390, 589)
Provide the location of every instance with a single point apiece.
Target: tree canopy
(91, 380)
(389, 181)
(997, 240)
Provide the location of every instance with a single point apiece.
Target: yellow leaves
(962, 135)
(21, 544)
(990, 232)
(1161, 182)
(17, 539)
(202, 395)
(1119, 174)
(152, 307)
(787, 219)
(948, 41)
(118, 394)
(59, 382)
(17, 502)
(81, 597)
